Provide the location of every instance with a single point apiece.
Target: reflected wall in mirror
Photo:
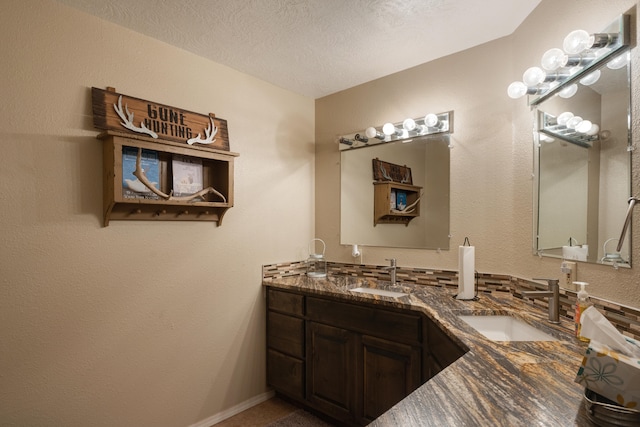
(584, 181)
(428, 159)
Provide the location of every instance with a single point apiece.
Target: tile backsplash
(626, 319)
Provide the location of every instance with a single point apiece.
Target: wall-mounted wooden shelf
(382, 211)
(217, 173)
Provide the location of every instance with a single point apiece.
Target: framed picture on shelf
(187, 175)
(132, 188)
(401, 200)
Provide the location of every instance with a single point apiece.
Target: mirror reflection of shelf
(548, 125)
(384, 213)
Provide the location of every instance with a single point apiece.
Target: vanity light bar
(430, 124)
(569, 128)
(580, 54)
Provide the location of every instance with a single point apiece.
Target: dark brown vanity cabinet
(347, 360)
(363, 359)
(286, 343)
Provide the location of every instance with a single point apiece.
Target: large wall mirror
(427, 159)
(584, 174)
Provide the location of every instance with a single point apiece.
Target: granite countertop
(494, 383)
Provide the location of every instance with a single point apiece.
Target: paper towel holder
(475, 297)
(475, 278)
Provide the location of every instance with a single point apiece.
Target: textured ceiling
(316, 47)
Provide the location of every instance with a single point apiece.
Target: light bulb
(533, 76)
(584, 126)
(618, 62)
(574, 122)
(545, 138)
(389, 129)
(553, 59)
(591, 78)
(371, 132)
(564, 118)
(409, 124)
(431, 120)
(594, 130)
(569, 91)
(577, 41)
(517, 90)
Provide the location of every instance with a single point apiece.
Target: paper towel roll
(466, 272)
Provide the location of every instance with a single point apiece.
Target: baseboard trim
(228, 413)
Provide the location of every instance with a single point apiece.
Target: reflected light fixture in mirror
(580, 53)
(584, 174)
(568, 127)
(430, 124)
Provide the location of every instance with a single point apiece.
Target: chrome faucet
(392, 270)
(554, 298)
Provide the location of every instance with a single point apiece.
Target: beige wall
(135, 324)
(491, 162)
(163, 323)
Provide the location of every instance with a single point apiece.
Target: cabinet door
(331, 370)
(390, 372)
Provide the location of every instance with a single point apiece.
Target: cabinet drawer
(285, 334)
(369, 320)
(285, 374)
(286, 302)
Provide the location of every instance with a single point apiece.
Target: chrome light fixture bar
(581, 53)
(569, 128)
(405, 131)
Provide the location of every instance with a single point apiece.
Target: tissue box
(611, 374)
(577, 253)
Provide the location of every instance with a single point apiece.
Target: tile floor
(260, 415)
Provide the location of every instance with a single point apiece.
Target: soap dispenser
(316, 263)
(582, 303)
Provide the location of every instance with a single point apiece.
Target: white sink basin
(506, 328)
(381, 292)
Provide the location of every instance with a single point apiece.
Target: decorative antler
(210, 132)
(128, 120)
(406, 178)
(385, 175)
(139, 173)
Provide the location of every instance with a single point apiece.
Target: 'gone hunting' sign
(114, 111)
